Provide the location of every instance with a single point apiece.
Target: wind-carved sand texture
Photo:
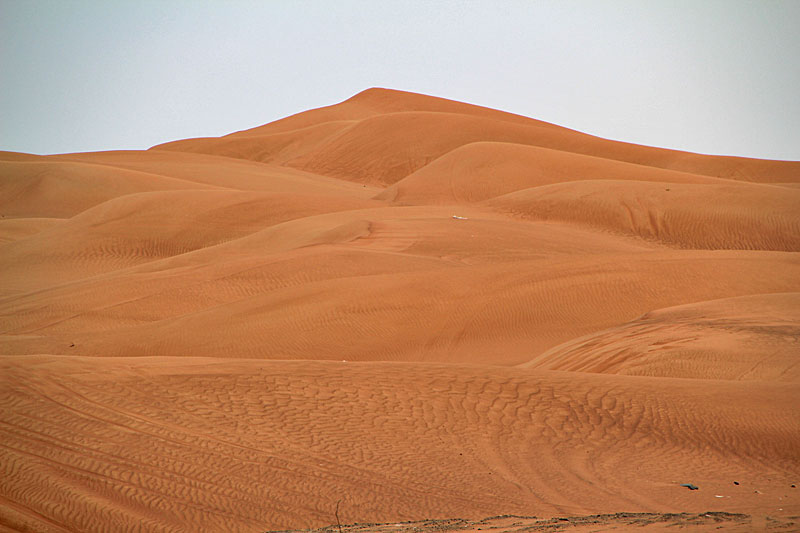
(401, 311)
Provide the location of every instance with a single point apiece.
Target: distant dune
(406, 308)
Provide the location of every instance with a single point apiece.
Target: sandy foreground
(399, 313)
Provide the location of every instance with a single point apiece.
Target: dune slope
(245, 445)
(752, 338)
(403, 307)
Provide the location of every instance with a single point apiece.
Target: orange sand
(417, 308)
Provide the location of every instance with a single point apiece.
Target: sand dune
(379, 101)
(13, 229)
(483, 170)
(741, 216)
(229, 173)
(498, 314)
(406, 306)
(270, 148)
(153, 443)
(142, 227)
(384, 144)
(45, 188)
(746, 338)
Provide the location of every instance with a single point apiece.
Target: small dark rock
(689, 486)
(735, 482)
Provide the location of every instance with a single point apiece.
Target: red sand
(417, 308)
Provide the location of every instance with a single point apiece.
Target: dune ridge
(404, 306)
(385, 140)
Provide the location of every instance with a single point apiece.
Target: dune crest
(403, 308)
(384, 138)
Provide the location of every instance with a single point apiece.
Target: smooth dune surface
(398, 308)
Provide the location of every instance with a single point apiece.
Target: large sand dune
(404, 306)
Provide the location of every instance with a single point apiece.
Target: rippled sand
(404, 308)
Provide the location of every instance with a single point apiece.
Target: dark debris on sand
(517, 523)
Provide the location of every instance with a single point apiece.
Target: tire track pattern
(172, 445)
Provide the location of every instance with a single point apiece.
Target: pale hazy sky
(718, 77)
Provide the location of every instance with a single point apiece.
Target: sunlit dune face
(397, 308)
